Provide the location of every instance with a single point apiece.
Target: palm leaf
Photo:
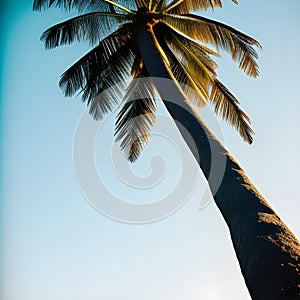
(141, 3)
(105, 91)
(91, 27)
(177, 65)
(179, 50)
(158, 5)
(186, 6)
(100, 80)
(178, 68)
(196, 63)
(219, 35)
(44, 4)
(195, 52)
(193, 91)
(136, 117)
(130, 4)
(198, 70)
(82, 5)
(191, 88)
(227, 106)
(89, 68)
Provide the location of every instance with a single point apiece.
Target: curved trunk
(267, 251)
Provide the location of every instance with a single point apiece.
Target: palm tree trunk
(267, 251)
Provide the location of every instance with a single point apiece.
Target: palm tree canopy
(111, 28)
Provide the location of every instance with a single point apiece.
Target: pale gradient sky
(55, 245)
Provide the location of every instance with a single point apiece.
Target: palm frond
(130, 4)
(90, 66)
(238, 44)
(105, 91)
(197, 64)
(82, 5)
(92, 27)
(178, 49)
(227, 106)
(186, 6)
(121, 7)
(158, 5)
(191, 89)
(197, 69)
(195, 51)
(141, 3)
(100, 80)
(136, 117)
(44, 4)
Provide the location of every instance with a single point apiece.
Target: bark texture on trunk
(267, 251)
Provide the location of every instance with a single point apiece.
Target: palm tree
(154, 39)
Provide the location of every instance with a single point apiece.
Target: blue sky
(56, 245)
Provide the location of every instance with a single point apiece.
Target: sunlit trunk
(267, 251)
